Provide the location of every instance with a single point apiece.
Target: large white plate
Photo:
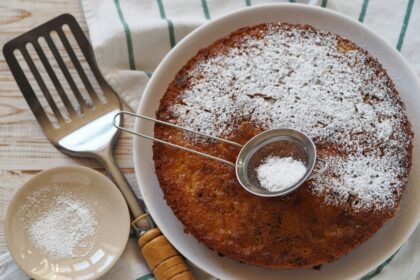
(360, 261)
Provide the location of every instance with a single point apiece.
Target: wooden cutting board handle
(162, 258)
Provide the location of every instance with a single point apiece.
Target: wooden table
(24, 149)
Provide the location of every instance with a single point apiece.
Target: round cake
(291, 76)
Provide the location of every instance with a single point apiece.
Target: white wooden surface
(24, 150)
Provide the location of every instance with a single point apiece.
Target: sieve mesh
(279, 148)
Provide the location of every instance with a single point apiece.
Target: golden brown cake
(282, 75)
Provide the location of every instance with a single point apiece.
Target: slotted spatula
(88, 129)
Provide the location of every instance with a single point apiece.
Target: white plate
(107, 205)
(364, 258)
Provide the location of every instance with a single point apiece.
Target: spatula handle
(106, 157)
(162, 258)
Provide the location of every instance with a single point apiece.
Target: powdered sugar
(277, 173)
(59, 224)
(296, 78)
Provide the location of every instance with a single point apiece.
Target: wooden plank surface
(24, 150)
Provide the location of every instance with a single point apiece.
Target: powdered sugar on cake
(296, 78)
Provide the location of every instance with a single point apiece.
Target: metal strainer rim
(241, 168)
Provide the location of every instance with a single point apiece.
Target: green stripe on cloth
(146, 277)
(324, 3)
(292, 1)
(379, 268)
(205, 9)
(363, 11)
(170, 23)
(248, 3)
(171, 33)
(161, 9)
(131, 61)
(405, 24)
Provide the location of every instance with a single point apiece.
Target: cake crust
(325, 218)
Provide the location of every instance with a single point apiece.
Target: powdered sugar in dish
(59, 223)
(279, 173)
(304, 79)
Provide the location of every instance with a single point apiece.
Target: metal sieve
(282, 142)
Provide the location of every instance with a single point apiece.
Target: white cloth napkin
(130, 37)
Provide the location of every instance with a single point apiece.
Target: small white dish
(108, 208)
(365, 257)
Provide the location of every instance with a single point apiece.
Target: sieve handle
(117, 125)
(316, 174)
(162, 258)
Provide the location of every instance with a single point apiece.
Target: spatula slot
(78, 72)
(90, 78)
(52, 94)
(61, 85)
(33, 77)
(82, 98)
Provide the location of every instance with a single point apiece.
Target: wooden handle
(162, 258)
